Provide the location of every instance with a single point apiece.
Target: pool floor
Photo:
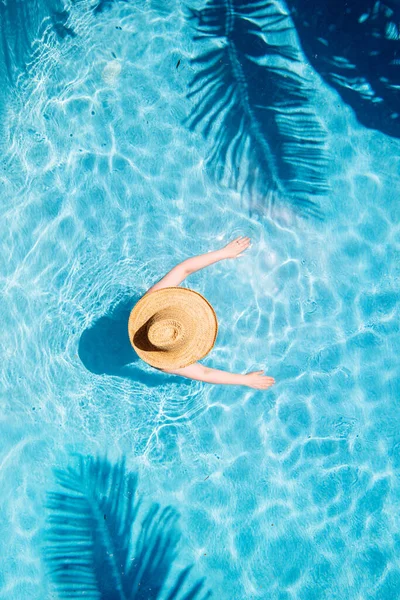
(290, 494)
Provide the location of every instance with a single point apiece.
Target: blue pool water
(290, 494)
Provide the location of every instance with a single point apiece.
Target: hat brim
(198, 342)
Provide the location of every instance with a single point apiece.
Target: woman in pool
(172, 328)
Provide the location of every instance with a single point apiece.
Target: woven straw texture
(172, 328)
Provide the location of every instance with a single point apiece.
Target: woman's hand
(257, 380)
(236, 247)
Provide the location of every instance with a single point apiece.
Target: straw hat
(172, 328)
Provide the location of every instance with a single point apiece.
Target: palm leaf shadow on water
(250, 96)
(101, 544)
(355, 47)
(105, 349)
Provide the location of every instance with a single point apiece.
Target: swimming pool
(105, 185)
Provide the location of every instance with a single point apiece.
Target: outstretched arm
(191, 265)
(199, 372)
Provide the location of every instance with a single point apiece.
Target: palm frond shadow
(251, 97)
(99, 544)
(355, 48)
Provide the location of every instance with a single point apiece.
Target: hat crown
(172, 327)
(166, 330)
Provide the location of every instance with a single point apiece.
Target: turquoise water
(289, 494)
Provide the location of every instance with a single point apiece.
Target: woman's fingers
(242, 244)
(236, 247)
(242, 240)
(259, 373)
(260, 381)
(265, 382)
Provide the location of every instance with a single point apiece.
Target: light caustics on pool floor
(290, 494)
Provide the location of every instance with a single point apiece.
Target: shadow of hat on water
(105, 348)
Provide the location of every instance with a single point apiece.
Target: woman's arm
(199, 372)
(191, 265)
